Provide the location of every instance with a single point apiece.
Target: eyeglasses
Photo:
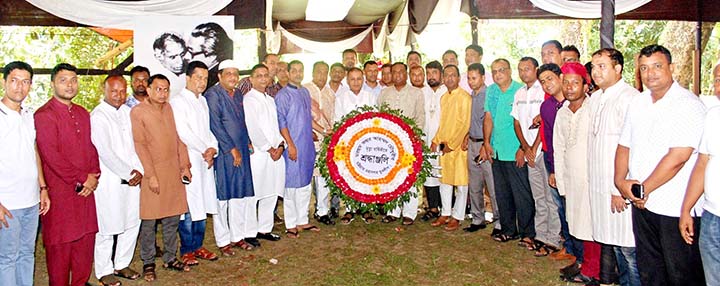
(500, 70)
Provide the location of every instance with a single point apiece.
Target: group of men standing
(562, 155)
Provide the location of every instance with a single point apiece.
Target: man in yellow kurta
(450, 141)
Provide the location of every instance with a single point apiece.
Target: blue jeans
(17, 247)
(627, 266)
(192, 234)
(710, 247)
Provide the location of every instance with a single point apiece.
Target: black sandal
(177, 266)
(505, 237)
(292, 233)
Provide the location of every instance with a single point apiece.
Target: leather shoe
(252, 241)
(326, 220)
(452, 225)
(570, 270)
(268, 236)
(475, 227)
(440, 221)
(561, 255)
(334, 213)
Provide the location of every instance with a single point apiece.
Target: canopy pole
(474, 29)
(697, 61)
(607, 24)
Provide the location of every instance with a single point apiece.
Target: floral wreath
(373, 157)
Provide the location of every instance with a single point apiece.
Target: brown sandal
(109, 280)
(244, 245)
(149, 272)
(309, 227)
(292, 233)
(127, 273)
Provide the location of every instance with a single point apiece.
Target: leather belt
(476, 140)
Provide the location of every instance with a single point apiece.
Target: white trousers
(296, 205)
(229, 221)
(123, 251)
(322, 196)
(458, 211)
(259, 215)
(408, 209)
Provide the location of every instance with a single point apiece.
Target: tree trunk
(679, 38)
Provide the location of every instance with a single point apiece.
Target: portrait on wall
(166, 44)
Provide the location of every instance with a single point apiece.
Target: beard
(433, 83)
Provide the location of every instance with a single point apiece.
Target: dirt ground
(362, 254)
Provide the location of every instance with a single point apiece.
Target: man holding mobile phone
(165, 161)
(657, 151)
(69, 159)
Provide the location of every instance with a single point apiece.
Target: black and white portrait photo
(167, 44)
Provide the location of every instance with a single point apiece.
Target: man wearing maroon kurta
(71, 167)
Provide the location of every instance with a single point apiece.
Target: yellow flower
(376, 122)
(376, 189)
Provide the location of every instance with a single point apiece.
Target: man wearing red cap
(570, 141)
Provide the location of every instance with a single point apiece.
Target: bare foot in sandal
(149, 272)
(292, 233)
(309, 227)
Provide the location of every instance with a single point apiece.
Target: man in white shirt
(353, 97)
(371, 85)
(192, 118)
(432, 92)
(526, 107)
(268, 170)
(413, 59)
(653, 161)
(347, 101)
(714, 99)
(612, 221)
(23, 192)
(337, 81)
(704, 182)
(117, 198)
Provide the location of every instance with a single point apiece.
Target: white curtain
(324, 47)
(442, 28)
(585, 9)
(122, 14)
(397, 40)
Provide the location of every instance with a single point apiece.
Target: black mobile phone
(442, 147)
(79, 187)
(534, 126)
(185, 180)
(638, 191)
(124, 182)
(477, 160)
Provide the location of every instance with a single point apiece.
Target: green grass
(361, 254)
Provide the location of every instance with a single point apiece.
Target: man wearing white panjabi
(268, 169)
(612, 221)
(117, 197)
(346, 101)
(192, 121)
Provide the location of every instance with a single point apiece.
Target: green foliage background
(44, 47)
